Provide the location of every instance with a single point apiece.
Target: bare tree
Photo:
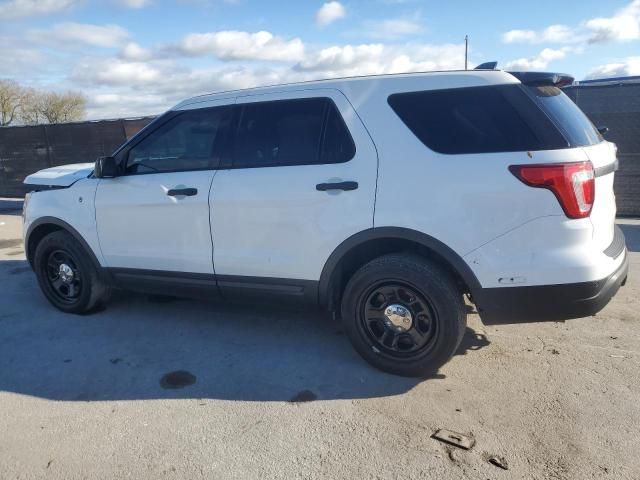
(31, 108)
(11, 98)
(62, 107)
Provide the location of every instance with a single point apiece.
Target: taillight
(573, 184)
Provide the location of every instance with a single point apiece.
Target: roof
(465, 78)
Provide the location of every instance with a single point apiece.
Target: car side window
(304, 131)
(190, 141)
(337, 145)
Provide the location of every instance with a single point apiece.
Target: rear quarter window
(567, 116)
(477, 120)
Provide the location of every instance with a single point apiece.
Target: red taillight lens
(573, 184)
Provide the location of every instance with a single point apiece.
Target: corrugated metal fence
(24, 150)
(617, 106)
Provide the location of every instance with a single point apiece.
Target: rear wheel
(66, 274)
(403, 314)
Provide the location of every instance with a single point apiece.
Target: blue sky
(138, 57)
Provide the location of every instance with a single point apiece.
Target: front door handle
(187, 192)
(346, 186)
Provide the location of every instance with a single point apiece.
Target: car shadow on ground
(235, 352)
(632, 235)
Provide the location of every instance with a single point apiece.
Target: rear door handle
(187, 192)
(346, 186)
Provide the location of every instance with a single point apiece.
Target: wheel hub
(66, 273)
(398, 318)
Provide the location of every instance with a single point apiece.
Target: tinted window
(291, 132)
(189, 141)
(477, 120)
(575, 125)
(338, 146)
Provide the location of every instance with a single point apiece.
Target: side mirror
(106, 167)
(603, 130)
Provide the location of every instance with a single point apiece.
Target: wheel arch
(366, 245)
(46, 225)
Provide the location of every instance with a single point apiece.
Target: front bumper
(549, 302)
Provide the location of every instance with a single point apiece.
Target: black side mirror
(603, 130)
(106, 167)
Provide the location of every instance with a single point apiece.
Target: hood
(62, 176)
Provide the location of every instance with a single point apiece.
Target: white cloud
(623, 26)
(393, 28)
(20, 63)
(329, 13)
(25, 8)
(629, 66)
(539, 61)
(119, 104)
(134, 3)
(237, 45)
(113, 71)
(70, 34)
(376, 58)
(133, 51)
(343, 57)
(551, 34)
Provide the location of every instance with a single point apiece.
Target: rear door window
(477, 120)
(304, 131)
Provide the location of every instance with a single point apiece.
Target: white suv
(384, 199)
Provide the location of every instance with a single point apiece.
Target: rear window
(574, 124)
(504, 118)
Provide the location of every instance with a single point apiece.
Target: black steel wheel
(67, 275)
(404, 314)
(398, 319)
(64, 276)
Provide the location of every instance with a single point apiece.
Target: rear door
(302, 179)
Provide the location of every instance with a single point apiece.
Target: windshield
(574, 124)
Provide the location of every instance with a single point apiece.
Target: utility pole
(466, 52)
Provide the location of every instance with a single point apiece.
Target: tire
(404, 314)
(67, 276)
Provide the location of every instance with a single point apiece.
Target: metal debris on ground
(499, 462)
(453, 438)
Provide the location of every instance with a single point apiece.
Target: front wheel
(66, 274)
(404, 314)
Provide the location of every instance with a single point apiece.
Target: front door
(155, 216)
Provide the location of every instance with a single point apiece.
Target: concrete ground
(82, 397)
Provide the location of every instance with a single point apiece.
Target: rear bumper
(549, 302)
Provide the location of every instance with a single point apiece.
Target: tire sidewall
(64, 241)
(431, 282)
